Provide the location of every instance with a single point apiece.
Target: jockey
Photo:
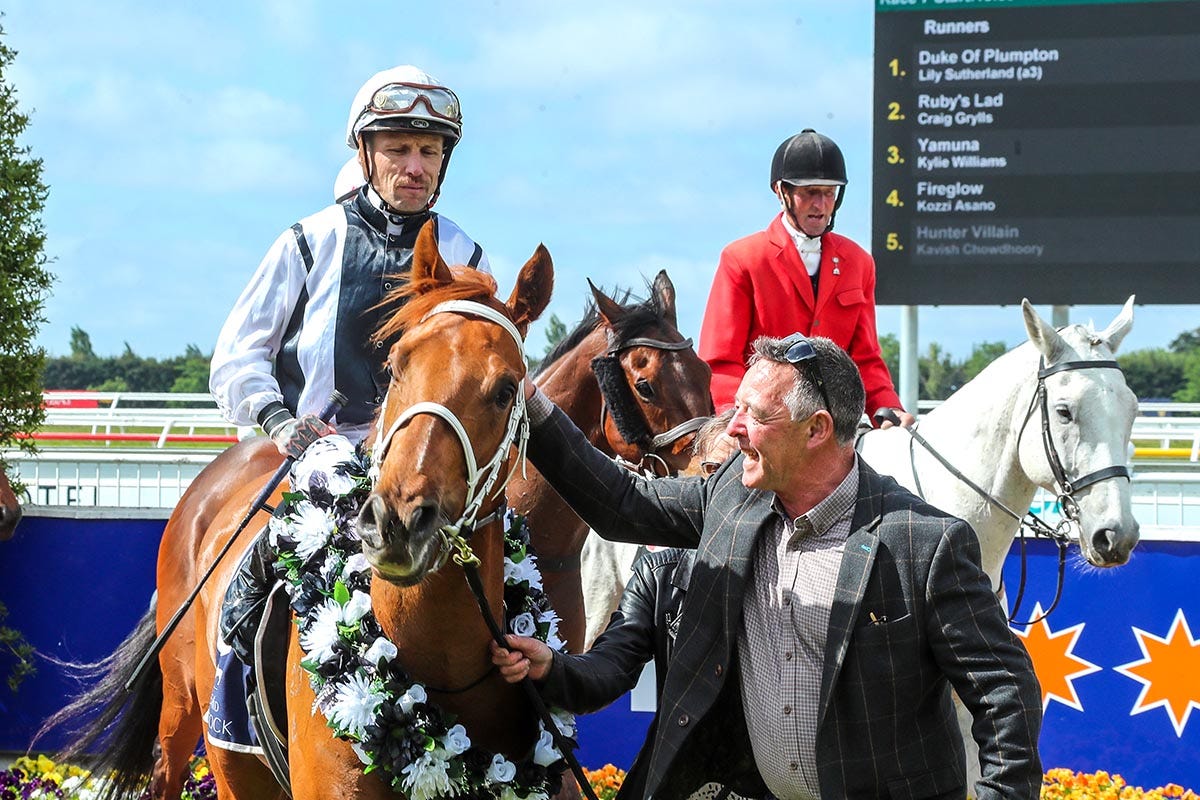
(302, 326)
(797, 275)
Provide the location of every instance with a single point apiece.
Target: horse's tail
(112, 730)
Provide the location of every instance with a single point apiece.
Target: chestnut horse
(648, 396)
(459, 360)
(10, 508)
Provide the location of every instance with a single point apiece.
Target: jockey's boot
(246, 596)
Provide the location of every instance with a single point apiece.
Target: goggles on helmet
(402, 98)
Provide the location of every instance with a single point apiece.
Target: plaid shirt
(782, 639)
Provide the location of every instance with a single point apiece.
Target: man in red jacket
(797, 276)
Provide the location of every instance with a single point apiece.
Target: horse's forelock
(639, 315)
(419, 297)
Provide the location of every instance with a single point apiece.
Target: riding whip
(336, 401)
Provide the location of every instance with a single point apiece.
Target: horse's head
(1079, 429)
(453, 408)
(10, 508)
(651, 379)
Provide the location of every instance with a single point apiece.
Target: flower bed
(40, 778)
(1057, 784)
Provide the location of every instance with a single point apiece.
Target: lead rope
(466, 558)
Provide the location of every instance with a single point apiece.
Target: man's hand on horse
(294, 436)
(524, 657)
(889, 417)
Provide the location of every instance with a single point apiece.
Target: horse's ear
(1042, 334)
(1120, 326)
(664, 290)
(610, 310)
(427, 263)
(531, 295)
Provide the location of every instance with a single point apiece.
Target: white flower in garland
(544, 752)
(358, 607)
(523, 571)
(415, 694)
(426, 778)
(323, 457)
(381, 648)
(322, 632)
(456, 740)
(523, 625)
(355, 705)
(311, 527)
(501, 770)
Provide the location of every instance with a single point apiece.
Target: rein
(457, 535)
(617, 401)
(1067, 487)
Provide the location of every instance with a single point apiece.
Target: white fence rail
(1166, 491)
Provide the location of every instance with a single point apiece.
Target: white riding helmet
(405, 98)
(349, 180)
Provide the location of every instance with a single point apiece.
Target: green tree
(1153, 374)
(191, 371)
(24, 278)
(81, 345)
(1186, 342)
(889, 347)
(24, 283)
(940, 376)
(982, 354)
(1190, 391)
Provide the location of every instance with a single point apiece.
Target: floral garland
(364, 693)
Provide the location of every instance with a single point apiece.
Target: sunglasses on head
(799, 353)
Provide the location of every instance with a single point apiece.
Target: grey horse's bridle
(1067, 487)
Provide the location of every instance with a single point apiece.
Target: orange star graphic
(1056, 666)
(1167, 672)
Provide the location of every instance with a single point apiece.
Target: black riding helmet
(810, 159)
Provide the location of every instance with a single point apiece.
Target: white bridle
(479, 481)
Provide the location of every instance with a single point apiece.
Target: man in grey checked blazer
(830, 613)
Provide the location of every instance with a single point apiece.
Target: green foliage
(128, 372)
(889, 346)
(24, 279)
(1153, 374)
(1186, 342)
(13, 643)
(982, 354)
(1190, 393)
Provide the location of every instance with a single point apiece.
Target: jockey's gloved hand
(292, 436)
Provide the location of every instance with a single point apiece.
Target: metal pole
(1060, 316)
(910, 374)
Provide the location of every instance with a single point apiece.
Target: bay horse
(454, 401)
(634, 385)
(10, 507)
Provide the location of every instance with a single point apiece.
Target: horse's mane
(639, 314)
(418, 297)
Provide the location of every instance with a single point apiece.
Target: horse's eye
(505, 394)
(644, 389)
(1064, 413)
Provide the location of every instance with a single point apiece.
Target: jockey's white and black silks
(301, 328)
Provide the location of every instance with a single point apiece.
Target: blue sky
(180, 139)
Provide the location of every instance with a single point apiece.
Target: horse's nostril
(1104, 543)
(372, 521)
(424, 517)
